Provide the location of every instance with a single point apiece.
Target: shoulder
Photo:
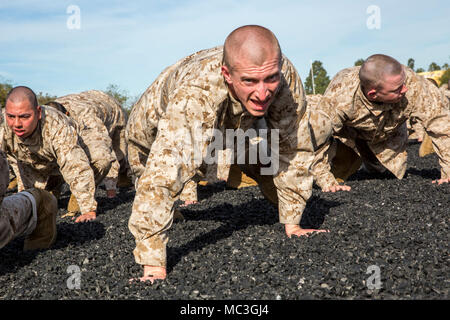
(54, 121)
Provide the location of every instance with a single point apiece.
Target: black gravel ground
(231, 246)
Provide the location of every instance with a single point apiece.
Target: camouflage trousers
(18, 217)
(151, 249)
(99, 153)
(137, 157)
(346, 161)
(120, 163)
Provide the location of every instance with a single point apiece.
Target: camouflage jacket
(445, 90)
(52, 149)
(383, 126)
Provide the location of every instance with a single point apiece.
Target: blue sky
(128, 43)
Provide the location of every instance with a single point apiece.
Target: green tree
(5, 87)
(411, 63)
(418, 70)
(321, 79)
(120, 95)
(359, 62)
(434, 67)
(43, 98)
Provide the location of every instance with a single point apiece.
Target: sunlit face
(393, 89)
(22, 118)
(255, 86)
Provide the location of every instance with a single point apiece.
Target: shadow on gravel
(13, 257)
(123, 196)
(240, 217)
(364, 175)
(315, 212)
(432, 174)
(205, 192)
(77, 233)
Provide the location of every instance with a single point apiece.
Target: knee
(101, 166)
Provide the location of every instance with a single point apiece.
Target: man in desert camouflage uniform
(101, 126)
(228, 87)
(30, 213)
(42, 145)
(368, 107)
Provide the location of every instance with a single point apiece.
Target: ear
(39, 111)
(226, 74)
(372, 94)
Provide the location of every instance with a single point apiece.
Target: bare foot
(294, 229)
(151, 274)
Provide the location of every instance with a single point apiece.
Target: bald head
(22, 93)
(376, 68)
(252, 42)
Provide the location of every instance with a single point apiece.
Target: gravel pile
(388, 239)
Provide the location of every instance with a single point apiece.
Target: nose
(262, 91)
(17, 123)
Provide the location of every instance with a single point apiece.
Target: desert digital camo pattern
(382, 127)
(196, 101)
(445, 90)
(101, 125)
(51, 151)
(142, 127)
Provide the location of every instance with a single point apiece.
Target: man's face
(255, 86)
(22, 118)
(393, 89)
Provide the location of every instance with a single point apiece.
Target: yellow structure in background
(435, 75)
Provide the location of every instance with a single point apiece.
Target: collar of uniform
(375, 108)
(236, 106)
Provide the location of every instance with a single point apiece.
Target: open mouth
(260, 105)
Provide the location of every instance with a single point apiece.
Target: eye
(273, 78)
(248, 81)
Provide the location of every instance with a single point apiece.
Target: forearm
(294, 187)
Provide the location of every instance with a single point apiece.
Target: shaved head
(376, 68)
(22, 93)
(252, 42)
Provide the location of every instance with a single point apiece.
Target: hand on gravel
(294, 229)
(338, 187)
(441, 181)
(151, 274)
(88, 216)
